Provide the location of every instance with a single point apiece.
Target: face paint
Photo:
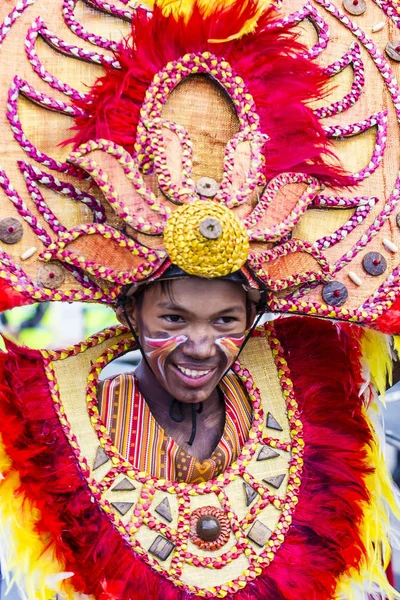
(230, 347)
(163, 348)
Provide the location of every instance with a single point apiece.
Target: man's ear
(129, 311)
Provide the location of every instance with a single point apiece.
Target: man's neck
(210, 421)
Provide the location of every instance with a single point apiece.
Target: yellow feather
(375, 530)
(396, 344)
(29, 557)
(376, 353)
(184, 8)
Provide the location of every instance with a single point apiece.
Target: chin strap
(181, 417)
(194, 421)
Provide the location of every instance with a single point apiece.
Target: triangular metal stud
(266, 453)
(101, 458)
(122, 507)
(272, 423)
(275, 481)
(124, 486)
(250, 493)
(164, 509)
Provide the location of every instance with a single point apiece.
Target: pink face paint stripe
(159, 342)
(230, 346)
(163, 348)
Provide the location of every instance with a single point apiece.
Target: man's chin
(191, 394)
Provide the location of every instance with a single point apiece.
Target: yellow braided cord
(27, 555)
(370, 576)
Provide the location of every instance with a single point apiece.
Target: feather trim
(396, 345)
(389, 322)
(369, 579)
(26, 554)
(377, 356)
(184, 9)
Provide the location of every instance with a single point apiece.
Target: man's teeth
(192, 372)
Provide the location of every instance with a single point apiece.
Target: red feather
(270, 61)
(389, 322)
(9, 298)
(323, 541)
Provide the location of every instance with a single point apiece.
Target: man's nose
(200, 344)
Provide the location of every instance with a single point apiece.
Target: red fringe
(9, 298)
(270, 61)
(389, 322)
(324, 538)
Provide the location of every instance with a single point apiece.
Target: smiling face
(191, 331)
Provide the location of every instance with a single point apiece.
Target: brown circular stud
(51, 276)
(207, 187)
(210, 228)
(374, 263)
(208, 528)
(335, 293)
(10, 230)
(393, 50)
(398, 220)
(355, 7)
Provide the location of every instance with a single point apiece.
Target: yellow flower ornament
(206, 239)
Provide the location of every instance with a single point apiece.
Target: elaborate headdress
(211, 140)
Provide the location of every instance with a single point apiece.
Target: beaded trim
(35, 177)
(39, 69)
(276, 232)
(59, 251)
(142, 515)
(9, 21)
(169, 77)
(150, 221)
(308, 12)
(351, 57)
(20, 137)
(97, 40)
(259, 262)
(74, 51)
(380, 121)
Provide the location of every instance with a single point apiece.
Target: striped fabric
(141, 440)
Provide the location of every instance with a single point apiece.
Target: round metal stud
(207, 187)
(335, 293)
(51, 276)
(208, 528)
(393, 50)
(355, 7)
(10, 230)
(210, 228)
(374, 263)
(398, 220)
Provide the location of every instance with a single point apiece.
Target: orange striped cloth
(142, 441)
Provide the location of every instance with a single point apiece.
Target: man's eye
(173, 318)
(225, 320)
